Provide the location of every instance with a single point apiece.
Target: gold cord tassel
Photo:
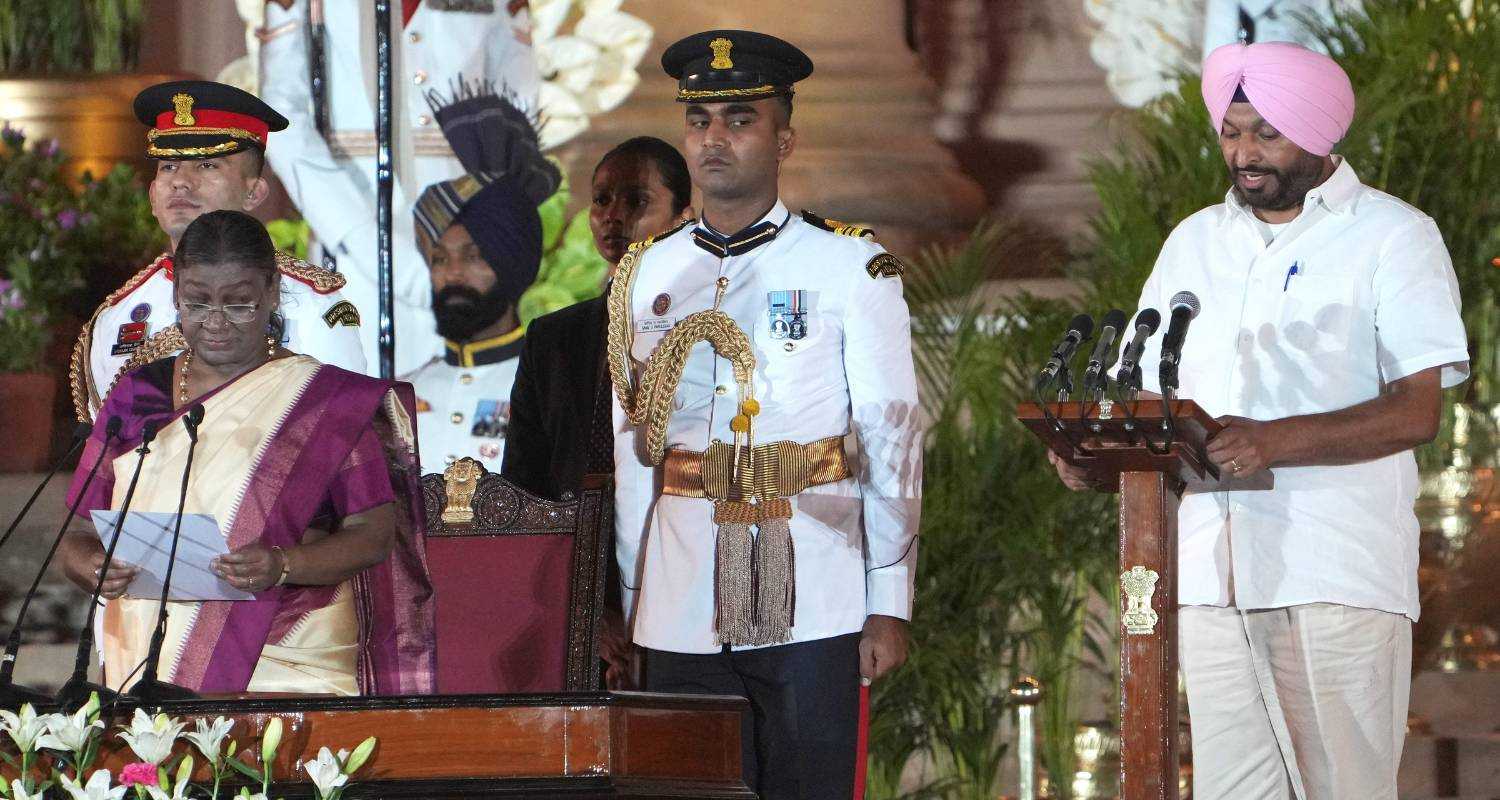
(734, 572)
(775, 574)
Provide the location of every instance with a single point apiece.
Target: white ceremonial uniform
(332, 181)
(320, 322)
(1298, 599)
(849, 373)
(463, 402)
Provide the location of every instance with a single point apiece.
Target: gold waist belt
(767, 471)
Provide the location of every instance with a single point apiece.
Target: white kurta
(850, 373)
(332, 181)
(1357, 292)
(313, 326)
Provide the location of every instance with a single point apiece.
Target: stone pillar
(865, 153)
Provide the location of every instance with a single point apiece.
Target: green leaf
(244, 769)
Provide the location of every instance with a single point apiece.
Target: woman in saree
(309, 470)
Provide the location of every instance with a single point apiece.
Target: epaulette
(834, 226)
(322, 281)
(650, 240)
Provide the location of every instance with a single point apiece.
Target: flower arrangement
(54, 234)
(55, 751)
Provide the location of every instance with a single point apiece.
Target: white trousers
(1307, 702)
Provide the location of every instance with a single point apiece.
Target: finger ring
(1234, 465)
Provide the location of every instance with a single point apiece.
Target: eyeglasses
(239, 313)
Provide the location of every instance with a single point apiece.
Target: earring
(270, 346)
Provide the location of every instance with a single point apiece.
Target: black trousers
(799, 739)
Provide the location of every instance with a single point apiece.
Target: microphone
(1079, 331)
(1145, 324)
(1184, 307)
(149, 689)
(1100, 360)
(76, 691)
(11, 695)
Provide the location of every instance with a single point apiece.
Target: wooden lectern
(1152, 458)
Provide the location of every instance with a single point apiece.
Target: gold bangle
(286, 566)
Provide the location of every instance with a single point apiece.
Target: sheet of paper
(146, 542)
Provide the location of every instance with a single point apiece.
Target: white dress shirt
(854, 540)
(313, 326)
(332, 181)
(1357, 292)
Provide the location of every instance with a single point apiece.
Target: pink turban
(1304, 94)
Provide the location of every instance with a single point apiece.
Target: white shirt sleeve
(1417, 308)
(887, 420)
(309, 332)
(635, 487)
(334, 201)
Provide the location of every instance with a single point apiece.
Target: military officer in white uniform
(208, 141)
(332, 179)
(761, 558)
(481, 235)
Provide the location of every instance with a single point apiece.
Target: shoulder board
(322, 281)
(134, 282)
(885, 265)
(834, 226)
(650, 240)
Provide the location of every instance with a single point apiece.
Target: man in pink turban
(1329, 326)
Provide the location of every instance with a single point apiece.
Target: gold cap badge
(721, 46)
(182, 104)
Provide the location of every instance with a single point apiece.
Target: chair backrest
(519, 582)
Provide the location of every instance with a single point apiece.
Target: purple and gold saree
(284, 451)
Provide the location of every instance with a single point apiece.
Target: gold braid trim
(165, 342)
(651, 403)
(80, 373)
(323, 281)
(84, 398)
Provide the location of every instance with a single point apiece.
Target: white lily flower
(209, 737)
(96, 789)
(24, 728)
(70, 734)
(326, 771)
(18, 792)
(152, 737)
(587, 70)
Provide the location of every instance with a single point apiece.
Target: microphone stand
(11, 695)
(149, 689)
(80, 435)
(76, 691)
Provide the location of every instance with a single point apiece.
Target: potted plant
(54, 236)
(68, 71)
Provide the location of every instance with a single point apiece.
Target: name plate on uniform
(655, 325)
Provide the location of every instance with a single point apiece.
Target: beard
(1288, 188)
(462, 312)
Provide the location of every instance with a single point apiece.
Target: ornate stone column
(865, 154)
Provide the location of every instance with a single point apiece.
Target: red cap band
(207, 118)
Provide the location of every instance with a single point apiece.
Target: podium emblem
(1139, 585)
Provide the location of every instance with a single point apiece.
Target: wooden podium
(575, 744)
(1130, 443)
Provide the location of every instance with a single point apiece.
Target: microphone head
(1115, 318)
(148, 431)
(83, 430)
(1149, 317)
(1186, 300)
(1084, 324)
(112, 428)
(194, 416)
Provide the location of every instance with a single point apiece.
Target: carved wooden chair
(519, 582)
